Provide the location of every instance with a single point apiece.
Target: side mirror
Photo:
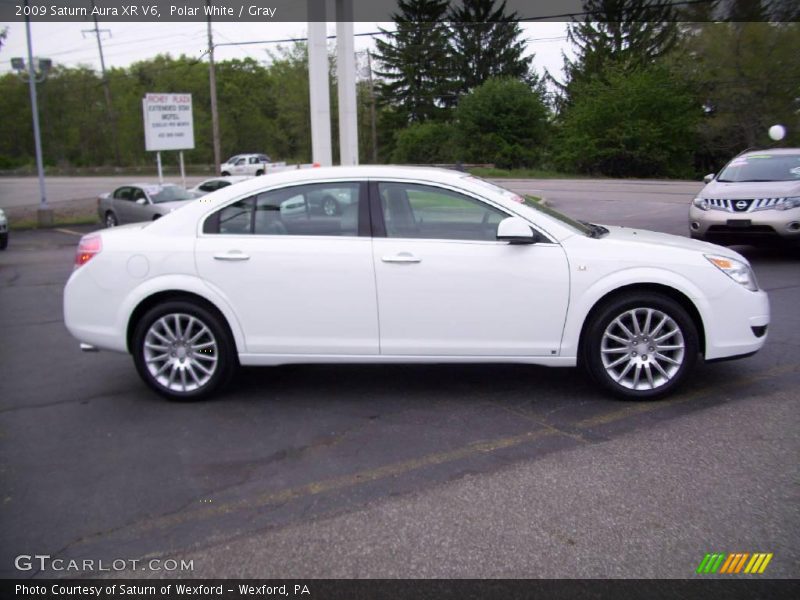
(515, 231)
(141, 201)
(709, 178)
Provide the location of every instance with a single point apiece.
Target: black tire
(225, 174)
(156, 217)
(259, 173)
(653, 358)
(330, 206)
(3, 241)
(110, 219)
(176, 362)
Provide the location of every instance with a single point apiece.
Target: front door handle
(401, 257)
(231, 256)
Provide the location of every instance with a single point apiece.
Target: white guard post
(346, 74)
(183, 171)
(158, 162)
(319, 96)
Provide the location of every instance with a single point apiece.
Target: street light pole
(44, 214)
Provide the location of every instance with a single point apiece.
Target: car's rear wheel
(183, 351)
(641, 346)
(111, 219)
(226, 174)
(3, 241)
(259, 173)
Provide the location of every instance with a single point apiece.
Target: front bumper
(736, 323)
(725, 227)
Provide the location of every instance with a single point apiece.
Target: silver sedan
(141, 202)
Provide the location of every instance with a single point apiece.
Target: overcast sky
(68, 44)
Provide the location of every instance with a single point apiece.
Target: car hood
(653, 238)
(751, 189)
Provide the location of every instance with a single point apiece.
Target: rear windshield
(762, 167)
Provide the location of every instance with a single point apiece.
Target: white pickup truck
(248, 164)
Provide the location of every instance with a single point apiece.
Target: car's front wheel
(3, 241)
(183, 351)
(640, 346)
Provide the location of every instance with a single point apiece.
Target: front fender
(586, 297)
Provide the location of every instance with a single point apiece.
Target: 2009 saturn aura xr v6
(419, 266)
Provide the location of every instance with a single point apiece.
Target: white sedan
(216, 183)
(420, 266)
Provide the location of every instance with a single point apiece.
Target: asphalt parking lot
(398, 471)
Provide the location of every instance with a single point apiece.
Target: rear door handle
(401, 257)
(232, 256)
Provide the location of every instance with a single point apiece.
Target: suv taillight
(88, 247)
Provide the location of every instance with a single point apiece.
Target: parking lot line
(400, 468)
(635, 409)
(70, 231)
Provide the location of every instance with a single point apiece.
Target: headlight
(700, 203)
(789, 203)
(737, 270)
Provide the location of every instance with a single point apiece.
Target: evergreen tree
(414, 62)
(623, 34)
(486, 43)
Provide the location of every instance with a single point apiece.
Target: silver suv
(755, 198)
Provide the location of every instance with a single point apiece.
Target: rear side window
(322, 209)
(236, 218)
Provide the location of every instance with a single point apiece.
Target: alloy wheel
(642, 349)
(180, 352)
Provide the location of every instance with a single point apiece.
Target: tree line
(646, 93)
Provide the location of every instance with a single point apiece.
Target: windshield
(530, 202)
(762, 167)
(171, 193)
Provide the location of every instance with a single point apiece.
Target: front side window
(314, 209)
(419, 211)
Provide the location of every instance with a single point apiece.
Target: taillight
(88, 247)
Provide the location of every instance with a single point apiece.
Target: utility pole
(106, 87)
(44, 213)
(372, 109)
(212, 82)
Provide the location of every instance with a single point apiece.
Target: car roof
(312, 174)
(227, 177)
(192, 214)
(231, 178)
(147, 184)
